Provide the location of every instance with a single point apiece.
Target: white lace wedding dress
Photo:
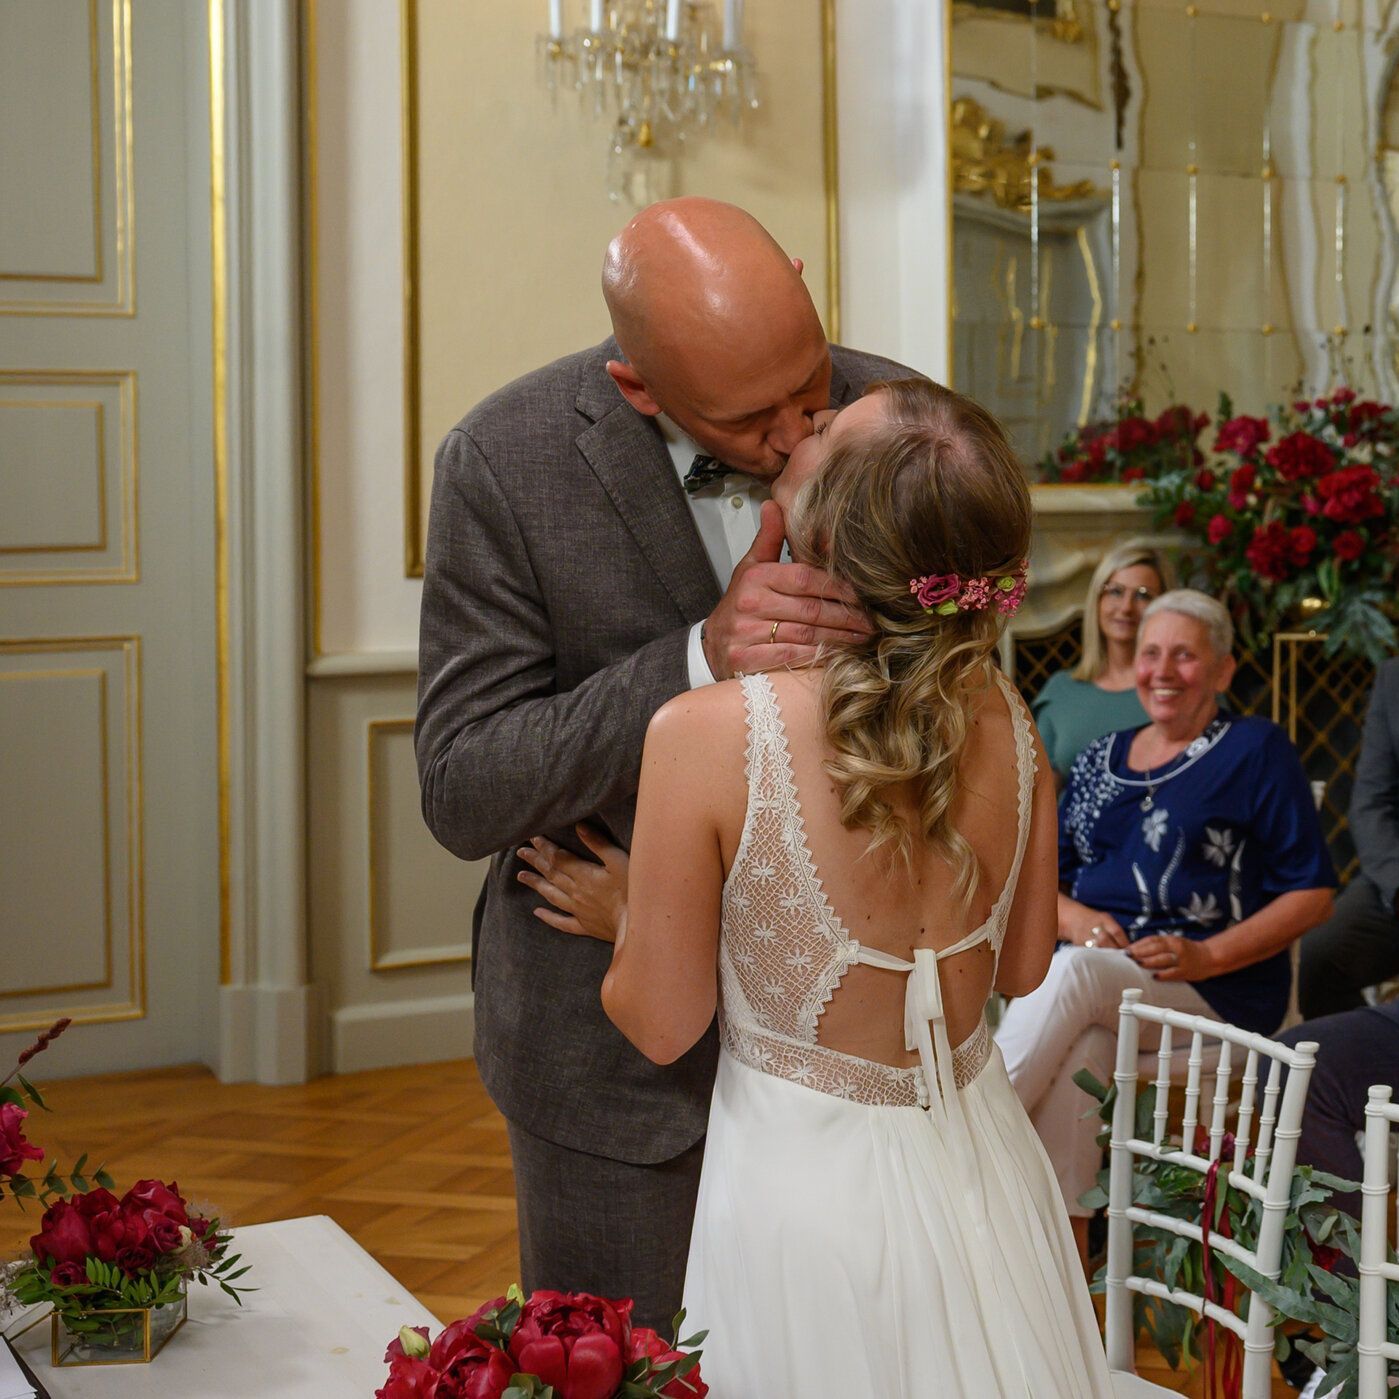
(865, 1231)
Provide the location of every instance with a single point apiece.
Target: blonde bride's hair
(934, 489)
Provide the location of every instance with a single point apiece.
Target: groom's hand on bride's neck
(810, 609)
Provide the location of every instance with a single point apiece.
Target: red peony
(1185, 513)
(68, 1275)
(1241, 483)
(1268, 553)
(1220, 528)
(1350, 496)
(117, 1233)
(411, 1379)
(1300, 455)
(1301, 541)
(573, 1341)
(1074, 472)
(1348, 545)
(1243, 436)
(14, 1150)
(1179, 421)
(64, 1235)
(1341, 396)
(471, 1368)
(647, 1345)
(1131, 435)
(1134, 473)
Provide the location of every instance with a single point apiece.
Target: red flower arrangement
(1129, 447)
(1305, 505)
(550, 1345)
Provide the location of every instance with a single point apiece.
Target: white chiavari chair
(1277, 1121)
(1377, 1273)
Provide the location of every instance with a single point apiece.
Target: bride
(845, 861)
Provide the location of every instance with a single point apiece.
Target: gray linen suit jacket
(1374, 800)
(563, 574)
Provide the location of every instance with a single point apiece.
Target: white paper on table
(13, 1384)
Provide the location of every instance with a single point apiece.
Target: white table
(315, 1329)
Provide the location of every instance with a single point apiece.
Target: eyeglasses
(1117, 592)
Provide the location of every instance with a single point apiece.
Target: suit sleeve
(501, 754)
(1374, 802)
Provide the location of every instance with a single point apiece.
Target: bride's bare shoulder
(701, 717)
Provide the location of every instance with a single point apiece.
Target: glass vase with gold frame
(116, 1335)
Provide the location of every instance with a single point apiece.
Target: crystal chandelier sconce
(665, 71)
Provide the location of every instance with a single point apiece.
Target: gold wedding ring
(772, 635)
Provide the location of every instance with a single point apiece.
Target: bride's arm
(662, 988)
(1033, 921)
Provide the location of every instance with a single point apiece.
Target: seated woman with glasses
(1190, 857)
(1099, 695)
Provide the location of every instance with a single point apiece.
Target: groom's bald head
(718, 330)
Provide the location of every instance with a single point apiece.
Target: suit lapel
(629, 458)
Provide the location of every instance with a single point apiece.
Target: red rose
(1098, 451)
(14, 1150)
(135, 1258)
(1365, 412)
(1268, 552)
(1179, 421)
(1348, 545)
(1074, 472)
(1220, 528)
(1243, 436)
(151, 1196)
(1301, 540)
(574, 1342)
(68, 1275)
(936, 589)
(165, 1236)
(646, 1344)
(1134, 473)
(1131, 435)
(1205, 480)
(1343, 395)
(1300, 455)
(1185, 513)
(410, 1379)
(1350, 496)
(63, 1237)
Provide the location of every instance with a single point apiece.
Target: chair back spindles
(1220, 1106)
(1267, 1120)
(1248, 1086)
(1161, 1112)
(1268, 1185)
(1377, 1274)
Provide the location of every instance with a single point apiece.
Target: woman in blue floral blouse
(1190, 857)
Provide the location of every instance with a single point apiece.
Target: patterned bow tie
(704, 471)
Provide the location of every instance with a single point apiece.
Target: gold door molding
(113, 556)
(119, 993)
(109, 288)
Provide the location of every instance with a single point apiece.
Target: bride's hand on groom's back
(587, 898)
(776, 614)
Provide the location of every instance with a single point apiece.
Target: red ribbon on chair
(1232, 1366)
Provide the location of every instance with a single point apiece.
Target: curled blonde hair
(935, 488)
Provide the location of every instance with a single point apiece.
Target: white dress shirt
(727, 515)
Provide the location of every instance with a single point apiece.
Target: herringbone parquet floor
(412, 1162)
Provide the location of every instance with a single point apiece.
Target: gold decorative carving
(378, 960)
(122, 301)
(127, 568)
(133, 807)
(985, 163)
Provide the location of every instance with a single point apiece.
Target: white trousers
(1070, 1023)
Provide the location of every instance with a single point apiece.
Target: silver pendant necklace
(1193, 752)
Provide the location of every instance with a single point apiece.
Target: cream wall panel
(513, 220)
(68, 477)
(417, 890)
(377, 854)
(50, 221)
(66, 222)
(70, 831)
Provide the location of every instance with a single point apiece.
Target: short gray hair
(1199, 607)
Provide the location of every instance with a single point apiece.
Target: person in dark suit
(1358, 946)
(600, 540)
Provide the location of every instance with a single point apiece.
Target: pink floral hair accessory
(949, 593)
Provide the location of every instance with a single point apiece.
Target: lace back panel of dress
(783, 949)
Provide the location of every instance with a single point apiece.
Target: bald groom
(601, 540)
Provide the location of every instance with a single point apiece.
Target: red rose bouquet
(95, 1253)
(550, 1345)
(1129, 447)
(1304, 504)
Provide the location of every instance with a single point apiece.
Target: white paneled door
(109, 731)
